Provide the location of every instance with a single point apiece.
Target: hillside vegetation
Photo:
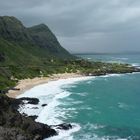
(27, 52)
(35, 51)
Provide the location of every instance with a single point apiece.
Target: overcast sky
(83, 25)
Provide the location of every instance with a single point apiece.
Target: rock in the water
(63, 126)
(44, 105)
(34, 107)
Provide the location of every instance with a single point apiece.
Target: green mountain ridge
(25, 52)
(44, 38)
(12, 29)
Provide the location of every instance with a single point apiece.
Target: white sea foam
(52, 87)
(51, 112)
(93, 126)
(66, 135)
(136, 65)
(82, 93)
(123, 106)
(29, 109)
(112, 75)
(51, 94)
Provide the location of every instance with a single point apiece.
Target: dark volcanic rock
(44, 105)
(33, 117)
(34, 107)
(13, 134)
(24, 127)
(63, 126)
(17, 102)
(34, 101)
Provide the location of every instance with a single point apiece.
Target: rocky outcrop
(43, 105)
(34, 101)
(63, 126)
(13, 134)
(14, 126)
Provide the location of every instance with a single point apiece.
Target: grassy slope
(24, 52)
(31, 52)
(23, 60)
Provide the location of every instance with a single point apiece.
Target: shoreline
(26, 84)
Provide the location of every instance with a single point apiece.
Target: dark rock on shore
(34, 101)
(21, 101)
(34, 107)
(33, 117)
(13, 134)
(63, 126)
(14, 126)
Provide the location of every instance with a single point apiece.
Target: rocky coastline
(18, 126)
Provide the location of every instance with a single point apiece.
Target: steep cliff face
(44, 38)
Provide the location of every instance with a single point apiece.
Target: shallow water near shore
(99, 108)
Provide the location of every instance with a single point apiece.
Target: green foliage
(44, 38)
(34, 52)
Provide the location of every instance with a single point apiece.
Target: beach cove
(26, 84)
(53, 92)
(94, 108)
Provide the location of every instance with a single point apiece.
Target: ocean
(99, 108)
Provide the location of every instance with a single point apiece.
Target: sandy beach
(26, 84)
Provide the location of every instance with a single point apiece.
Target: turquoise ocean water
(100, 108)
(106, 107)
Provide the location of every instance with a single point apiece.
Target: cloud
(91, 25)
